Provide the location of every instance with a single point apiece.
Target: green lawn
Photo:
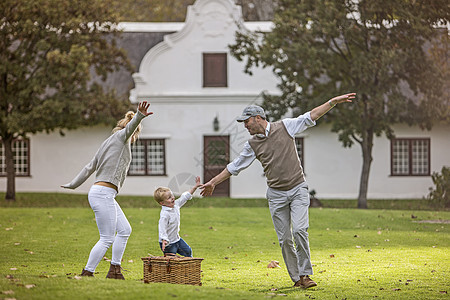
(357, 254)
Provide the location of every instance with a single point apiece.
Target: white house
(197, 89)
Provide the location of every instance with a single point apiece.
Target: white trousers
(289, 211)
(112, 224)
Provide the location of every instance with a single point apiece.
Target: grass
(357, 254)
(80, 200)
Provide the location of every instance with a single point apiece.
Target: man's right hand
(207, 189)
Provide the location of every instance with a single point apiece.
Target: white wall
(336, 170)
(55, 160)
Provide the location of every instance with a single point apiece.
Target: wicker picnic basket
(172, 269)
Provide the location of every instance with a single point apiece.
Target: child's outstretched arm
(195, 187)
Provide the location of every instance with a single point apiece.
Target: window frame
(410, 157)
(28, 164)
(146, 142)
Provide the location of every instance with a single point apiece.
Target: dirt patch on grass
(434, 221)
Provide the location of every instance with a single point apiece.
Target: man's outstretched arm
(320, 110)
(208, 188)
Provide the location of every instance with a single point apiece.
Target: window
(21, 154)
(410, 157)
(300, 151)
(215, 70)
(148, 157)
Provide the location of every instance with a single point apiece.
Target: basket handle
(171, 255)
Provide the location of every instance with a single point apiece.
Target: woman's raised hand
(143, 107)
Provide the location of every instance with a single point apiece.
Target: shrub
(440, 195)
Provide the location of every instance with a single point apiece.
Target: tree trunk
(10, 171)
(366, 145)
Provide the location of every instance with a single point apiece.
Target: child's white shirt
(169, 220)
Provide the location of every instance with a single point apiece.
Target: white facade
(170, 77)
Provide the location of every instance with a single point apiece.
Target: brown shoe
(87, 273)
(305, 282)
(115, 272)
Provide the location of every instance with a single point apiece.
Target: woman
(111, 163)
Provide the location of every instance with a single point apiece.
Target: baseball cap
(251, 111)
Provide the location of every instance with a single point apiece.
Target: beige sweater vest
(279, 158)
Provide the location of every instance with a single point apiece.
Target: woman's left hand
(143, 107)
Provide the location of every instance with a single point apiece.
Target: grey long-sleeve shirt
(112, 160)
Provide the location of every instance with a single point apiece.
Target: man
(273, 145)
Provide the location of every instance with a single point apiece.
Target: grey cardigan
(112, 160)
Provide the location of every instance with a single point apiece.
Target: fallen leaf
(8, 292)
(9, 228)
(356, 236)
(77, 277)
(413, 217)
(30, 286)
(13, 269)
(274, 289)
(16, 244)
(130, 261)
(396, 289)
(332, 255)
(323, 271)
(274, 264)
(358, 247)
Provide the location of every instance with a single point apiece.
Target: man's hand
(207, 189)
(143, 107)
(343, 98)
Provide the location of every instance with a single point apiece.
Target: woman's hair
(160, 193)
(123, 122)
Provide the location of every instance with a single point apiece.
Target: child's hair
(123, 122)
(160, 193)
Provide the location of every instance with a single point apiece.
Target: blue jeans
(180, 247)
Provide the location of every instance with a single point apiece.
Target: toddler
(169, 220)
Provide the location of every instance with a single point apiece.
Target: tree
(175, 10)
(376, 48)
(151, 10)
(51, 52)
(257, 10)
